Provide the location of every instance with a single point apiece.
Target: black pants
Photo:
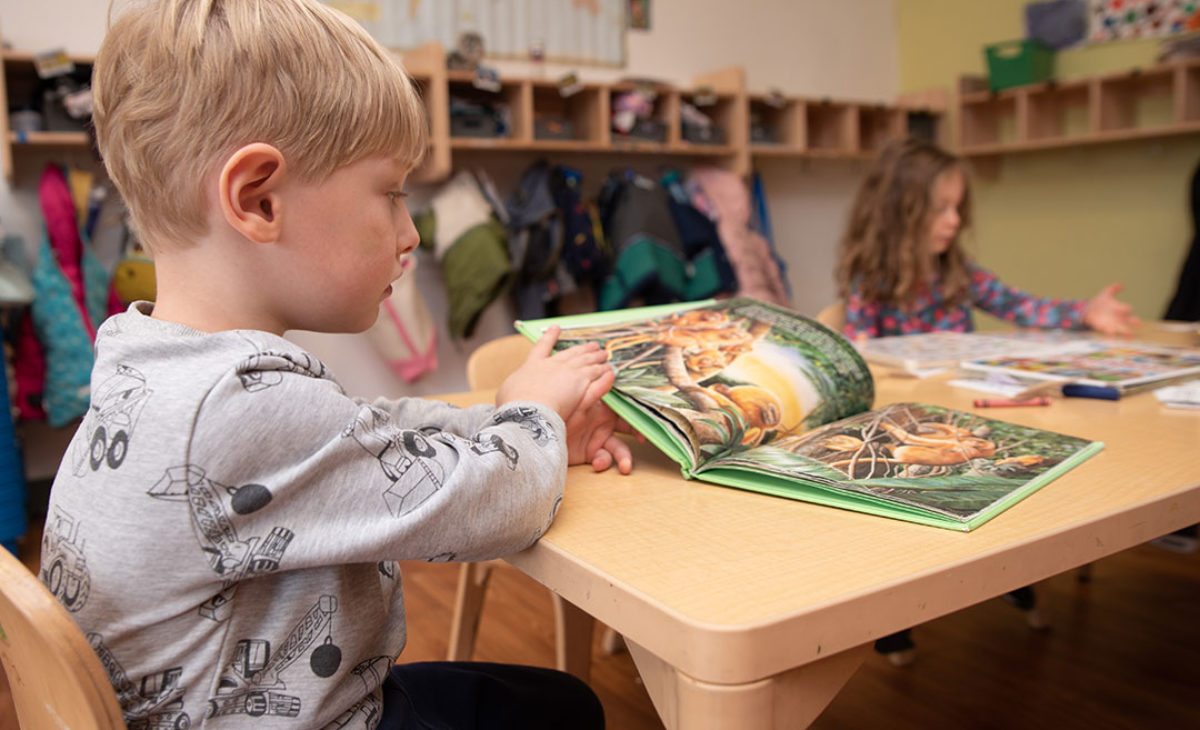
(468, 695)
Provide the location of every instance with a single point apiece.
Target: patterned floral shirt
(929, 312)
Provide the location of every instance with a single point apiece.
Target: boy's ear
(249, 191)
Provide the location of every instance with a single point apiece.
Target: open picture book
(744, 394)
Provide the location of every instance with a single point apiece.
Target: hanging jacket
(725, 196)
(70, 301)
(650, 262)
(470, 245)
(535, 240)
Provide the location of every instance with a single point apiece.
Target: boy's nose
(408, 240)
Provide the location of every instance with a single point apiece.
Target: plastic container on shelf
(1016, 63)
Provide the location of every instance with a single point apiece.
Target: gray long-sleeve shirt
(225, 522)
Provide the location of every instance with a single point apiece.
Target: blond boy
(225, 523)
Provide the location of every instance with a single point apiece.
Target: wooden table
(748, 611)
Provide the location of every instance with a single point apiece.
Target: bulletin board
(1117, 20)
(579, 32)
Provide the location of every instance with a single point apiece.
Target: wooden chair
(55, 677)
(833, 316)
(487, 367)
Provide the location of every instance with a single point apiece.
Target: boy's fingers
(601, 381)
(595, 442)
(587, 351)
(619, 450)
(601, 460)
(545, 344)
(623, 426)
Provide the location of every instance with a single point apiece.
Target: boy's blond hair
(181, 84)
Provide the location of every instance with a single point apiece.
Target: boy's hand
(1107, 315)
(591, 439)
(566, 381)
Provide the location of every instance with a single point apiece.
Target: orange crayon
(1008, 402)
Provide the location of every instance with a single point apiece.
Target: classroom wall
(1062, 222)
(812, 47)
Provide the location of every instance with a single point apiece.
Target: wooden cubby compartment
(1058, 111)
(20, 87)
(925, 124)
(577, 120)
(512, 101)
(777, 123)
(721, 109)
(1141, 100)
(987, 120)
(832, 127)
(1189, 89)
(878, 125)
(665, 113)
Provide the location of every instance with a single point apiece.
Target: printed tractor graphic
(404, 457)
(157, 705)
(67, 577)
(250, 683)
(116, 405)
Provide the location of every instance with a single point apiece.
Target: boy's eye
(395, 195)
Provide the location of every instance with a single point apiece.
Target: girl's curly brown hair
(881, 254)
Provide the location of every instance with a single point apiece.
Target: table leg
(792, 699)
(468, 605)
(573, 638)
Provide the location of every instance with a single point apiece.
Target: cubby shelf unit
(796, 126)
(1145, 103)
(18, 79)
(788, 126)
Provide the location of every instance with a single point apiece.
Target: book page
(950, 462)
(734, 374)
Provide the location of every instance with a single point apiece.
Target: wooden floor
(1123, 652)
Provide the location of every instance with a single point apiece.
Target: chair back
(55, 678)
(492, 361)
(833, 316)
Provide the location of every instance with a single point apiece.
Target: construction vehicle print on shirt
(372, 672)
(229, 556)
(64, 570)
(156, 705)
(480, 445)
(528, 419)
(114, 410)
(265, 369)
(366, 711)
(253, 684)
(405, 457)
(490, 444)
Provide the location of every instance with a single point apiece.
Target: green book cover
(748, 395)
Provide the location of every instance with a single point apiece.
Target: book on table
(1122, 367)
(745, 394)
(939, 350)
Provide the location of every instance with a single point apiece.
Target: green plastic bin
(1016, 63)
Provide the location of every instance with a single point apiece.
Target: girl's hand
(1108, 316)
(566, 381)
